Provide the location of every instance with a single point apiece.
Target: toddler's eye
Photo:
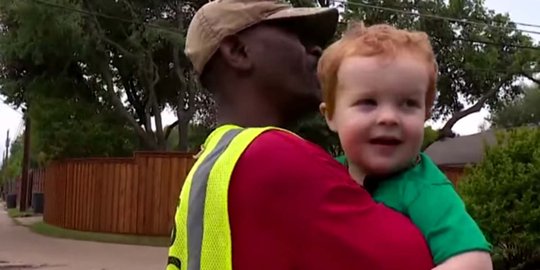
(411, 103)
(366, 102)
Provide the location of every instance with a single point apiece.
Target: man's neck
(249, 113)
(253, 120)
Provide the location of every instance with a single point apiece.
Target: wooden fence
(13, 186)
(453, 173)
(135, 195)
(36, 179)
(116, 195)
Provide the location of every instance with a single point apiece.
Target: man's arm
(293, 207)
(454, 237)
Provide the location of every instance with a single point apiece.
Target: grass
(53, 231)
(15, 213)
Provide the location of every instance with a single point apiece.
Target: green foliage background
(503, 194)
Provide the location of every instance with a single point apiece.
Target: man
(260, 197)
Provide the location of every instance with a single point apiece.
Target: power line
(466, 21)
(497, 44)
(455, 20)
(432, 16)
(335, 1)
(517, 46)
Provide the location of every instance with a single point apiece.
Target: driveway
(22, 249)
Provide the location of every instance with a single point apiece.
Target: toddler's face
(380, 111)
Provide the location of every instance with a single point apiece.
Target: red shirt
(292, 206)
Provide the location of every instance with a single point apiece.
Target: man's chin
(307, 102)
(300, 116)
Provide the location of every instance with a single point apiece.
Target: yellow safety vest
(201, 237)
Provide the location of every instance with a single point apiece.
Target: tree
(478, 61)
(430, 136)
(314, 129)
(521, 112)
(197, 136)
(126, 53)
(66, 128)
(13, 166)
(502, 194)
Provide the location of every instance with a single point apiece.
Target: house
(453, 154)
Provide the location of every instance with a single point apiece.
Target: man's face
(380, 110)
(285, 61)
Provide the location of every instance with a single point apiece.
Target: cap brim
(320, 23)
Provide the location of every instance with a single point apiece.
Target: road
(22, 249)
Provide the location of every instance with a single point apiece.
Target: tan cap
(221, 18)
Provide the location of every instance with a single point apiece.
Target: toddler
(378, 87)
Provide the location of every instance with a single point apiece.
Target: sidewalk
(27, 221)
(22, 249)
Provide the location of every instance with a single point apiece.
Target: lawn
(53, 231)
(15, 213)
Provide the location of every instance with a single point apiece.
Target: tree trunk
(446, 130)
(144, 136)
(183, 133)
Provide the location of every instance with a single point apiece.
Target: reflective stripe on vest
(201, 237)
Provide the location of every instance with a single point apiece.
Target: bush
(503, 194)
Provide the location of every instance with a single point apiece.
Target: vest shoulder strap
(201, 237)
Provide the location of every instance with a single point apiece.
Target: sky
(524, 11)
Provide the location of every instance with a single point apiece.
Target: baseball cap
(221, 18)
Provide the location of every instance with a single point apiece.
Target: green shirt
(428, 198)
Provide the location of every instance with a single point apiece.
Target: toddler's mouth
(385, 141)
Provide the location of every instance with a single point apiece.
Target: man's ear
(329, 120)
(234, 54)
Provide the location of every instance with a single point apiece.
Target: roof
(462, 150)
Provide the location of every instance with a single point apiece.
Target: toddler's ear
(322, 108)
(329, 120)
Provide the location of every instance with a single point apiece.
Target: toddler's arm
(474, 260)
(455, 240)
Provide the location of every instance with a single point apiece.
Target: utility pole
(7, 148)
(4, 166)
(26, 162)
